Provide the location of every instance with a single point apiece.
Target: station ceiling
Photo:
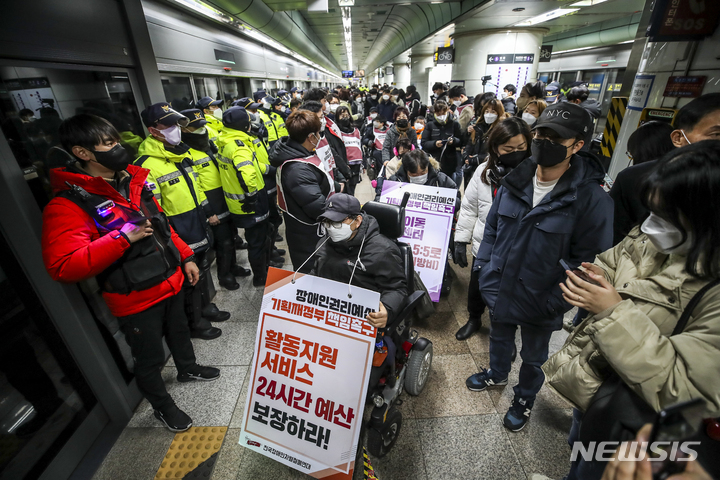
(387, 30)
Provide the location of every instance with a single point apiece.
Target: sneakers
(480, 381)
(518, 414)
(198, 372)
(174, 419)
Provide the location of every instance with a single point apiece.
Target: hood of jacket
(412, 96)
(153, 147)
(592, 106)
(286, 149)
(96, 185)
(584, 168)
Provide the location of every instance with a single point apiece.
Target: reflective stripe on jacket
(176, 187)
(241, 174)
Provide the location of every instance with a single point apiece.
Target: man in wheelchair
(357, 253)
(360, 250)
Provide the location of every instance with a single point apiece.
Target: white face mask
(172, 135)
(340, 234)
(218, 114)
(283, 108)
(378, 125)
(529, 119)
(386, 97)
(418, 180)
(374, 97)
(373, 115)
(664, 236)
(441, 118)
(686, 139)
(200, 131)
(457, 103)
(504, 95)
(419, 126)
(490, 118)
(333, 107)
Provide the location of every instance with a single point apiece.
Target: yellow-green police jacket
(216, 126)
(242, 178)
(213, 134)
(279, 124)
(261, 153)
(175, 185)
(206, 167)
(269, 125)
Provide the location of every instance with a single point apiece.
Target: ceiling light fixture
(545, 17)
(210, 12)
(347, 31)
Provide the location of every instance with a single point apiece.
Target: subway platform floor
(448, 432)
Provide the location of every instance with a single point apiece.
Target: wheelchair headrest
(390, 218)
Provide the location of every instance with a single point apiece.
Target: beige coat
(633, 338)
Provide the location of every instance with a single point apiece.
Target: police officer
(244, 187)
(174, 183)
(195, 136)
(284, 96)
(139, 261)
(214, 123)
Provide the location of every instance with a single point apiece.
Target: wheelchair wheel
(379, 443)
(418, 369)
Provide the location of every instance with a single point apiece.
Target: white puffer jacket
(474, 209)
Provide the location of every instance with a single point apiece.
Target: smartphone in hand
(581, 274)
(669, 449)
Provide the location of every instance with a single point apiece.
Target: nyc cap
(206, 102)
(196, 117)
(340, 206)
(566, 119)
(162, 113)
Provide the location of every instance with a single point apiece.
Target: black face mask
(403, 123)
(196, 141)
(115, 159)
(548, 154)
(179, 149)
(512, 160)
(343, 122)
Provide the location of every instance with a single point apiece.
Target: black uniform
(447, 155)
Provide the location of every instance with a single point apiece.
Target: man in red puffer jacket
(104, 222)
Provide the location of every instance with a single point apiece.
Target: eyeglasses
(335, 225)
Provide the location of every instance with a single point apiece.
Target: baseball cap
(295, 89)
(282, 92)
(566, 119)
(259, 95)
(246, 102)
(205, 102)
(162, 113)
(196, 117)
(236, 117)
(340, 206)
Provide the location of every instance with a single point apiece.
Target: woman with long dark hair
(633, 335)
(490, 115)
(508, 145)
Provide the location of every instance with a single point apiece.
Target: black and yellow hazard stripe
(615, 117)
(368, 469)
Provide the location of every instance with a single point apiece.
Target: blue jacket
(522, 246)
(387, 109)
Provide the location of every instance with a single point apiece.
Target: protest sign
(310, 372)
(428, 224)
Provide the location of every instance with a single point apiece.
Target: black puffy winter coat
(305, 190)
(380, 268)
(435, 131)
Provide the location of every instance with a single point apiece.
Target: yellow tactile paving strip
(190, 449)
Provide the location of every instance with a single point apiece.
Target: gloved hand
(460, 254)
(248, 206)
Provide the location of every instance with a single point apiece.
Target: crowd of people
(544, 234)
